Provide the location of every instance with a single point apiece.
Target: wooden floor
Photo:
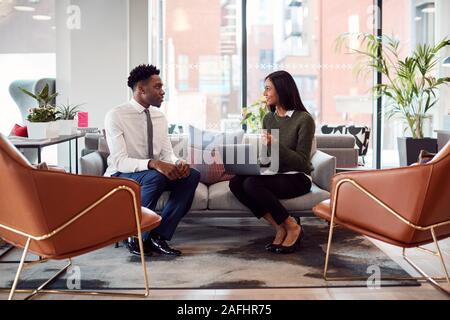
(428, 262)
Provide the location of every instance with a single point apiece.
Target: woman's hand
(268, 139)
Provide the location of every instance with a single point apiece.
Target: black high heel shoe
(291, 249)
(272, 247)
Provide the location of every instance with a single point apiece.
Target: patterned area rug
(223, 253)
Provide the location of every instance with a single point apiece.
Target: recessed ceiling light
(429, 10)
(418, 18)
(42, 17)
(24, 8)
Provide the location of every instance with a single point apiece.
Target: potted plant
(253, 116)
(409, 85)
(42, 119)
(66, 114)
(42, 123)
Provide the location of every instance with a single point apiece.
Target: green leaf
(44, 92)
(28, 93)
(408, 84)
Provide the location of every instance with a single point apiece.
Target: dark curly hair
(141, 73)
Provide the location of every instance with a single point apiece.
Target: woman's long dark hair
(288, 94)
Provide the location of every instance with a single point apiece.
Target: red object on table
(83, 120)
(20, 131)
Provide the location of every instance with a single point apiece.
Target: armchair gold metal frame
(26, 263)
(41, 289)
(433, 280)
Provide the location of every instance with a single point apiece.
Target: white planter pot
(67, 127)
(42, 130)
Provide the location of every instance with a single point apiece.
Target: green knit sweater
(296, 135)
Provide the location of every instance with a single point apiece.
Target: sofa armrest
(93, 164)
(324, 169)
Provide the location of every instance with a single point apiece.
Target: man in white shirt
(140, 149)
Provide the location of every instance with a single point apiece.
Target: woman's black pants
(262, 194)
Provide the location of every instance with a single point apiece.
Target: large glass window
(199, 47)
(201, 63)
(301, 38)
(424, 22)
(412, 27)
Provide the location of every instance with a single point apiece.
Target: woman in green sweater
(262, 194)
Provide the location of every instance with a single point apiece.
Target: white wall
(138, 32)
(93, 62)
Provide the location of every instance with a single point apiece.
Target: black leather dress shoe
(133, 246)
(291, 249)
(158, 245)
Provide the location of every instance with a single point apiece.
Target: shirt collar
(289, 113)
(139, 107)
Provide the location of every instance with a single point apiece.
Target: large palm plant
(408, 83)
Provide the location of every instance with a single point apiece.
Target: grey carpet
(222, 254)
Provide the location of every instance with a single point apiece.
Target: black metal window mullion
(379, 113)
(244, 57)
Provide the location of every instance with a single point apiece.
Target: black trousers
(262, 194)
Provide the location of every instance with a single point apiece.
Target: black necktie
(149, 134)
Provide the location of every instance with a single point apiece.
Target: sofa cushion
(221, 198)
(200, 199)
(324, 169)
(335, 141)
(93, 164)
(210, 165)
(307, 201)
(103, 145)
(345, 158)
(91, 141)
(204, 156)
(204, 139)
(180, 145)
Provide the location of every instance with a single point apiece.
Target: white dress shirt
(126, 135)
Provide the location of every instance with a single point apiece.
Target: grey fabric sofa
(341, 146)
(217, 199)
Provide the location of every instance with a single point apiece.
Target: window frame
(378, 103)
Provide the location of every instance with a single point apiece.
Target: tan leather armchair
(58, 216)
(406, 207)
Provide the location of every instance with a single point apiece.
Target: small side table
(22, 143)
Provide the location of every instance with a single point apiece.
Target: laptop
(242, 159)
